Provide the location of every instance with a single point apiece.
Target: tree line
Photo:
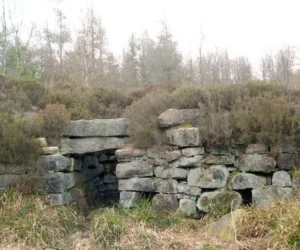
(56, 56)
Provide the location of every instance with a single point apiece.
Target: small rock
(182, 162)
(164, 203)
(282, 179)
(42, 142)
(245, 180)
(129, 199)
(134, 169)
(184, 188)
(167, 172)
(187, 207)
(184, 137)
(172, 155)
(165, 186)
(193, 151)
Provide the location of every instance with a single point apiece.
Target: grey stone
(165, 186)
(128, 153)
(193, 151)
(137, 184)
(97, 128)
(245, 180)
(90, 161)
(257, 163)
(91, 173)
(296, 182)
(186, 196)
(8, 180)
(160, 162)
(220, 150)
(175, 117)
(213, 177)
(167, 172)
(55, 182)
(263, 197)
(129, 199)
(55, 162)
(257, 149)
(50, 150)
(282, 179)
(219, 199)
(109, 178)
(184, 188)
(283, 148)
(164, 203)
(42, 142)
(184, 137)
(184, 161)
(14, 169)
(90, 145)
(70, 180)
(59, 199)
(187, 207)
(134, 169)
(111, 187)
(288, 161)
(172, 155)
(220, 159)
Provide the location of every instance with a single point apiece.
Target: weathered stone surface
(90, 145)
(163, 203)
(41, 142)
(128, 153)
(263, 197)
(184, 137)
(59, 199)
(137, 184)
(129, 199)
(296, 182)
(14, 169)
(50, 150)
(283, 148)
(8, 180)
(282, 179)
(134, 169)
(165, 186)
(172, 155)
(220, 150)
(167, 172)
(257, 149)
(175, 117)
(55, 182)
(222, 199)
(187, 207)
(220, 160)
(109, 178)
(184, 188)
(288, 161)
(212, 177)
(97, 128)
(186, 196)
(193, 151)
(245, 180)
(257, 163)
(160, 162)
(70, 180)
(184, 161)
(55, 162)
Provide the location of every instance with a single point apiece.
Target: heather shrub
(55, 119)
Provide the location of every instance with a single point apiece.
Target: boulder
(245, 180)
(90, 145)
(137, 184)
(257, 163)
(55, 162)
(97, 128)
(257, 149)
(184, 137)
(193, 151)
(55, 182)
(211, 177)
(220, 200)
(262, 197)
(187, 207)
(288, 161)
(165, 186)
(134, 169)
(164, 203)
(219, 159)
(184, 188)
(184, 161)
(175, 117)
(128, 153)
(50, 150)
(167, 172)
(282, 179)
(129, 199)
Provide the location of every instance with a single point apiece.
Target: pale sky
(244, 27)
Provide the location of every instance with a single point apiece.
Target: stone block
(164, 203)
(245, 181)
(167, 172)
(281, 179)
(257, 163)
(134, 169)
(184, 137)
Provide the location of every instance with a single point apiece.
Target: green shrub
(55, 119)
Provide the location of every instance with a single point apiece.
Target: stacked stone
(188, 177)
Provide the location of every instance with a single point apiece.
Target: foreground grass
(26, 223)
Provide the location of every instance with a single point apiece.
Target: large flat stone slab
(90, 145)
(175, 117)
(55, 162)
(167, 172)
(257, 163)
(98, 127)
(245, 180)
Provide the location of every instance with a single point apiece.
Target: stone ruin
(182, 175)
